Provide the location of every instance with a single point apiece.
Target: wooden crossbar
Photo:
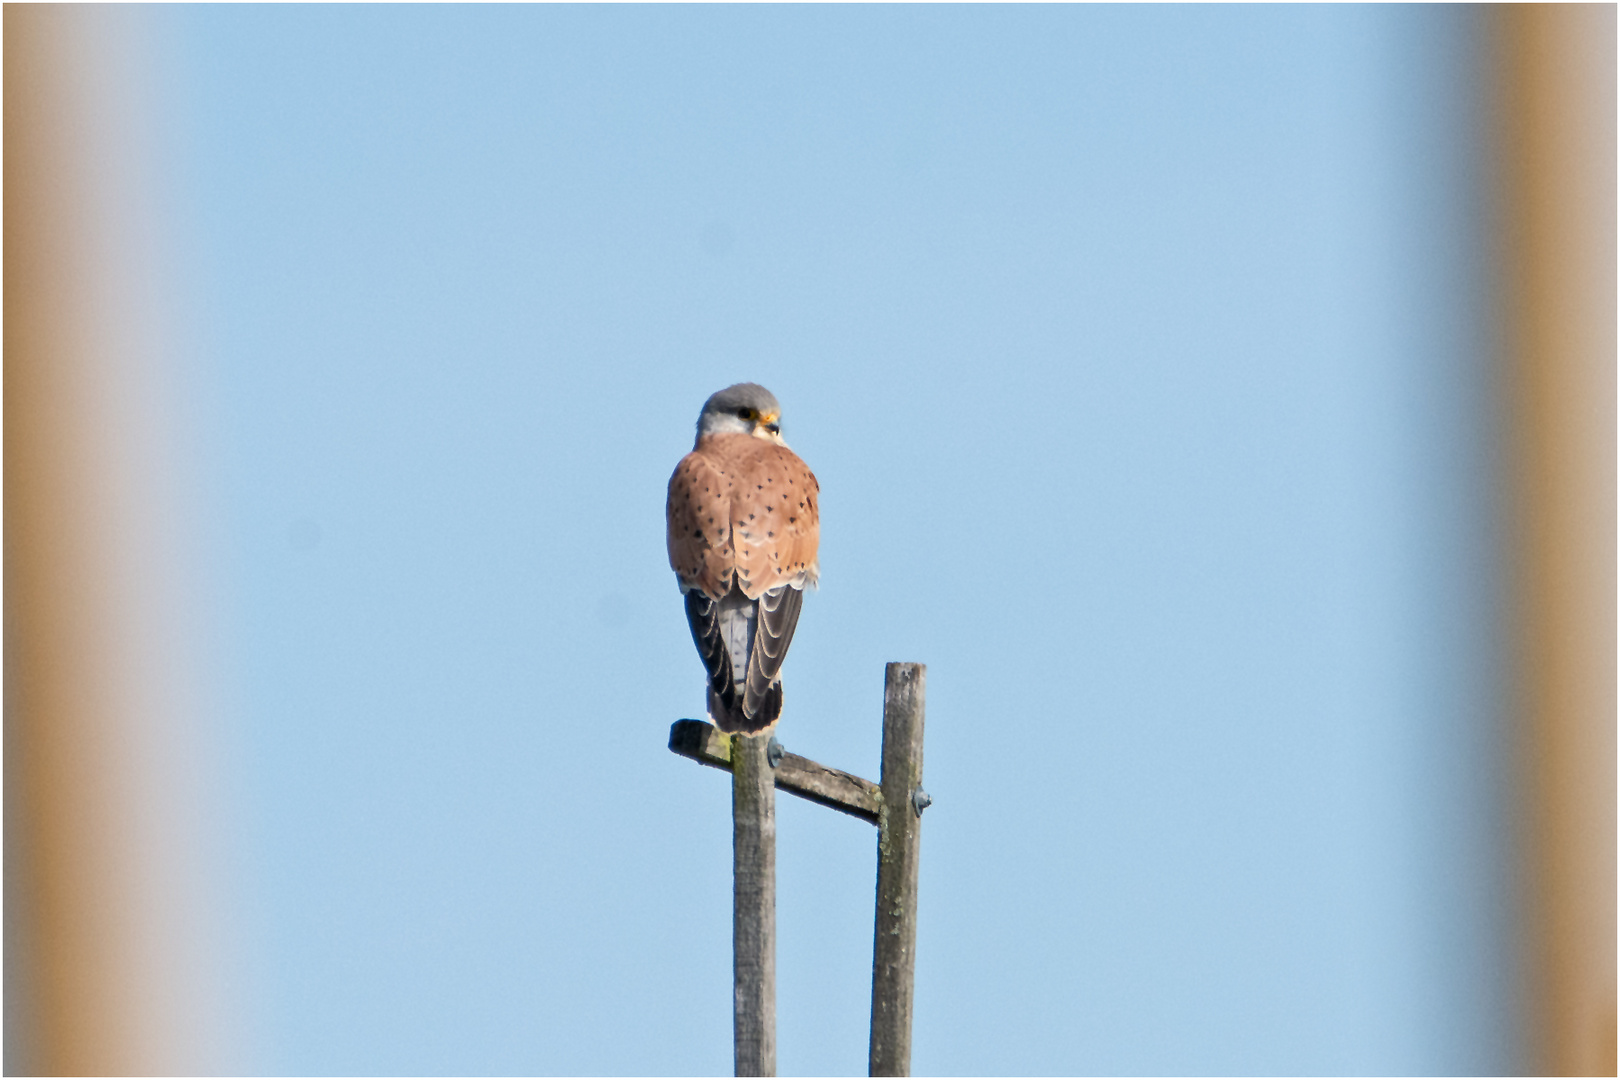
(797, 775)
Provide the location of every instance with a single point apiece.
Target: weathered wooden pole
(899, 820)
(753, 916)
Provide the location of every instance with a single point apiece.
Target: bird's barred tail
(727, 711)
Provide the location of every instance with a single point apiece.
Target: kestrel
(743, 528)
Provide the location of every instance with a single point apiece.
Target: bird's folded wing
(775, 522)
(703, 616)
(778, 616)
(698, 517)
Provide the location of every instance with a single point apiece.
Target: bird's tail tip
(730, 717)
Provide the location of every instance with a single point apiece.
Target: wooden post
(753, 916)
(899, 821)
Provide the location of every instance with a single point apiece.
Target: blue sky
(1141, 355)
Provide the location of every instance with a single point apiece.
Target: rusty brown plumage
(742, 509)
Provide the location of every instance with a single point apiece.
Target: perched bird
(743, 528)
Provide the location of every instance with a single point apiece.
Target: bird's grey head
(744, 409)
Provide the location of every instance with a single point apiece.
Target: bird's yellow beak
(767, 427)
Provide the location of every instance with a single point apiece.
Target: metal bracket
(773, 752)
(920, 801)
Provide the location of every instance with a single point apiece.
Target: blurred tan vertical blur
(1558, 153)
(111, 958)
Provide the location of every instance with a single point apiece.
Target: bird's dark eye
(746, 414)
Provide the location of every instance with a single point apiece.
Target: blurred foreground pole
(753, 912)
(894, 946)
(108, 943)
(1557, 145)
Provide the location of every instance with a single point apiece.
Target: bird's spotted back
(743, 509)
